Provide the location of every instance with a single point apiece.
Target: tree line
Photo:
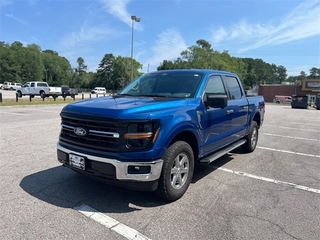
(21, 64)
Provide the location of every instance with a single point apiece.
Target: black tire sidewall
(167, 191)
(254, 125)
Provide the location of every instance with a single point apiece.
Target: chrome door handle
(229, 111)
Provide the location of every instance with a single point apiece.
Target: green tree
(32, 65)
(105, 71)
(282, 73)
(57, 70)
(9, 68)
(314, 72)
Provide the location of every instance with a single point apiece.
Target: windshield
(164, 84)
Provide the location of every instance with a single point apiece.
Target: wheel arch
(190, 138)
(257, 118)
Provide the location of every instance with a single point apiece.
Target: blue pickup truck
(150, 134)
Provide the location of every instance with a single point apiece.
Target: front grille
(102, 133)
(99, 133)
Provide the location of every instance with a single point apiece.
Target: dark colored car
(299, 101)
(67, 91)
(318, 103)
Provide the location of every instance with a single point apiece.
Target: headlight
(141, 135)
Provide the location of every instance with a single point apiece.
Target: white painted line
(285, 151)
(302, 129)
(110, 223)
(21, 114)
(304, 124)
(299, 138)
(287, 184)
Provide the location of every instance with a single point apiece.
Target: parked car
(152, 133)
(11, 86)
(318, 103)
(33, 89)
(282, 99)
(67, 91)
(99, 90)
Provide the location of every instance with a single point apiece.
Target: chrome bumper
(122, 167)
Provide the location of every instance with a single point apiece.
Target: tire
(19, 94)
(252, 138)
(42, 94)
(177, 171)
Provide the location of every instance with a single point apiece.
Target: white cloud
(168, 46)
(84, 35)
(302, 22)
(15, 18)
(118, 8)
(5, 2)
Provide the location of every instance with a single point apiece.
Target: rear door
(238, 108)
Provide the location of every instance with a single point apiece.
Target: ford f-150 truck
(34, 89)
(150, 134)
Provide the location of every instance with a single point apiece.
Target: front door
(216, 122)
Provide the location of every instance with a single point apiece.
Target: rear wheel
(252, 138)
(42, 94)
(177, 171)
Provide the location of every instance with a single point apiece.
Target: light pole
(46, 75)
(133, 18)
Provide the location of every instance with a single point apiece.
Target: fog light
(139, 169)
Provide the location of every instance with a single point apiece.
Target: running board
(216, 155)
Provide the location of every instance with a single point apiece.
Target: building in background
(308, 87)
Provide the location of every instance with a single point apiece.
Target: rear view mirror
(216, 101)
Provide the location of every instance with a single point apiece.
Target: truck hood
(125, 107)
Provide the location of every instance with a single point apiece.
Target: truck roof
(195, 70)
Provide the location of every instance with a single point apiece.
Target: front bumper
(119, 169)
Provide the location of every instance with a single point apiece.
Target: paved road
(273, 193)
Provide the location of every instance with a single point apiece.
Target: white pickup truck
(41, 89)
(54, 92)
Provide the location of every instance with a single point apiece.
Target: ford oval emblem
(80, 131)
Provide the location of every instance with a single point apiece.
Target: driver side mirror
(216, 101)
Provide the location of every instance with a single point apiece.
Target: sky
(281, 32)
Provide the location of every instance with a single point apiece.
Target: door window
(233, 88)
(215, 86)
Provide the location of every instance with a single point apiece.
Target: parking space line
(302, 129)
(110, 223)
(291, 152)
(299, 138)
(287, 184)
(12, 113)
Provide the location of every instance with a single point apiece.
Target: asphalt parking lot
(272, 193)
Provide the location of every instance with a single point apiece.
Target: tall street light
(133, 18)
(46, 70)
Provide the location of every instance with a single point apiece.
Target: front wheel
(252, 138)
(19, 94)
(177, 171)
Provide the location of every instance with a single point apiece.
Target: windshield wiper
(124, 94)
(152, 95)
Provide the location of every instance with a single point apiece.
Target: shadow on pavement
(62, 187)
